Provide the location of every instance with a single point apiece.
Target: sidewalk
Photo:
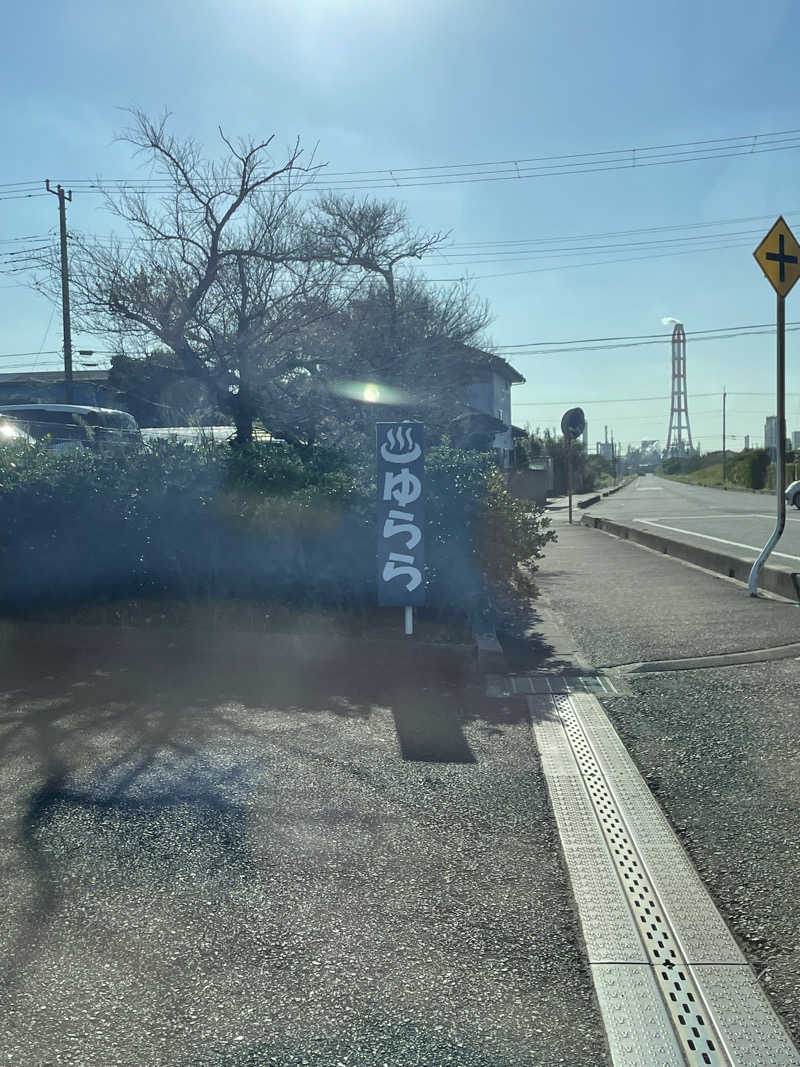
(774, 577)
(229, 858)
(717, 745)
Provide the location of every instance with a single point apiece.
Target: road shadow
(430, 730)
(118, 827)
(525, 646)
(110, 746)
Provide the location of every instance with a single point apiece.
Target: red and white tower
(677, 444)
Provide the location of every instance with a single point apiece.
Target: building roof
(54, 376)
(476, 362)
(505, 370)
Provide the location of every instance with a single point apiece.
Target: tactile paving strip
(671, 982)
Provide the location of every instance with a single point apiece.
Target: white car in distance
(67, 427)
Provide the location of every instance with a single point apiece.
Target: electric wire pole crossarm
(62, 219)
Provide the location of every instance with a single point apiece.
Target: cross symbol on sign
(781, 257)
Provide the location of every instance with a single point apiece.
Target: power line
(390, 183)
(720, 141)
(642, 336)
(603, 400)
(503, 258)
(559, 266)
(23, 251)
(631, 232)
(640, 344)
(594, 263)
(512, 169)
(23, 196)
(658, 416)
(614, 246)
(719, 333)
(480, 258)
(29, 237)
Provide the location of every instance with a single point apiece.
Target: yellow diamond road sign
(778, 255)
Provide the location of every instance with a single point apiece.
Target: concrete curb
(606, 492)
(587, 498)
(616, 489)
(489, 655)
(776, 580)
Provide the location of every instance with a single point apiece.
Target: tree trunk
(243, 420)
(242, 409)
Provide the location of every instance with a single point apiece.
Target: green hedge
(262, 522)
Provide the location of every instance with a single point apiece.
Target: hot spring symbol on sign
(400, 513)
(398, 440)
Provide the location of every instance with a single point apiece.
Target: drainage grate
(682, 997)
(672, 984)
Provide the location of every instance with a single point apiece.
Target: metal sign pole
(724, 443)
(573, 424)
(780, 444)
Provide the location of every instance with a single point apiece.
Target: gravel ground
(720, 749)
(227, 862)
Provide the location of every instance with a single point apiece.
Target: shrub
(749, 469)
(247, 523)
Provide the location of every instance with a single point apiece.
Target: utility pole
(62, 219)
(724, 455)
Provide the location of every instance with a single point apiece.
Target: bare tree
(217, 268)
(268, 303)
(372, 236)
(358, 376)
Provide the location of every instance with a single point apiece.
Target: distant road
(714, 518)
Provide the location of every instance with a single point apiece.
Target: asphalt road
(723, 520)
(718, 746)
(220, 858)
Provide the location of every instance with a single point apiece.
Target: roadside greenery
(588, 471)
(744, 470)
(256, 522)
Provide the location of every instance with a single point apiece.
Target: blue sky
(406, 83)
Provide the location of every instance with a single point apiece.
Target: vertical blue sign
(401, 514)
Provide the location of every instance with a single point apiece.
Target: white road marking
(650, 489)
(708, 537)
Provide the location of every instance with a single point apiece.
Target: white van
(65, 427)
